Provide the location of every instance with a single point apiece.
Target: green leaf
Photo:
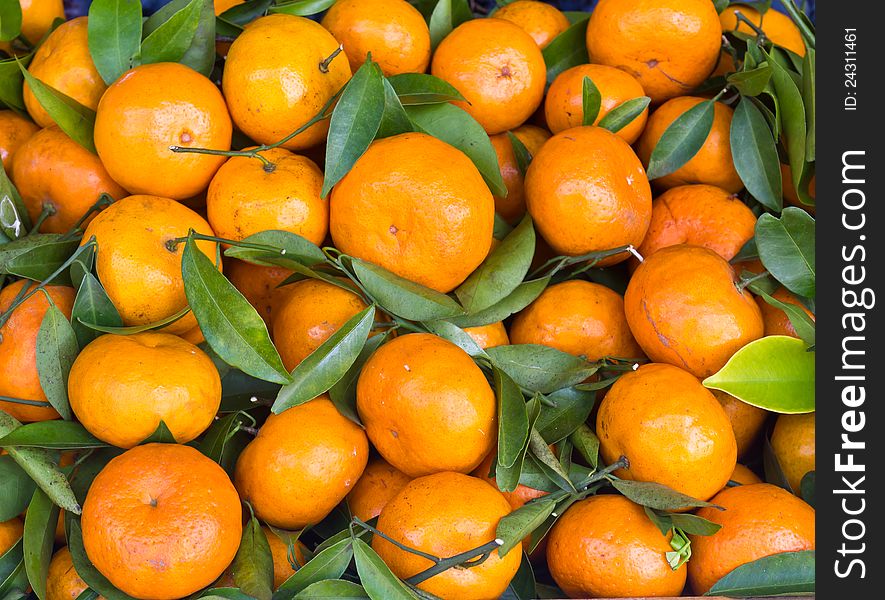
(36, 256)
(514, 527)
(133, 329)
(343, 393)
(522, 586)
(84, 567)
(586, 443)
(414, 89)
(10, 22)
(114, 28)
(522, 154)
(775, 373)
(242, 14)
(93, 306)
(377, 579)
(809, 95)
(447, 15)
(394, 120)
(252, 568)
(40, 524)
(524, 294)
(354, 122)
(13, 579)
(402, 297)
(455, 127)
(161, 435)
(571, 408)
(230, 324)
(326, 365)
(330, 563)
(793, 118)
(624, 113)
(332, 589)
(755, 155)
(786, 573)
(752, 82)
(14, 219)
(799, 319)
(655, 495)
(721, 5)
(540, 368)
(567, 50)
(73, 118)
(786, 249)
(60, 435)
(56, 350)
(501, 272)
(171, 39)
(456, 335)
(774, 474)
(549, 463)
(291, 246)
(301, 8)
(693, 524)
(200, 55)
(681, 140)
(591, 100)
(513, 420)
(806, 488)
(507, 478)
(16, 489)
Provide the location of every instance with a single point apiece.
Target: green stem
(807, 34)
(47, 211)
(455, 561)
(599, 475)
(401, 546)
(760, 34)
(558, 263)
(103, 201)
(172, 245)
(23, 401)
(742, 285)
(324, 64)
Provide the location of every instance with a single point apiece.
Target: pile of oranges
(404, 300)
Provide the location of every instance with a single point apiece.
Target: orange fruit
(258, 284)
(744, 476)
(793, 443)
(445, 514)
(776, 321)
(121, 387)
(311, 311)
(279, 551)
(139, 272)
(579, 317)
(747, 421)
(301, 464)
(378, 484)
(417, 207)
(587, 191)
(38, 16)
(512, 206)
(18, 347)
(63, 62)
(684, 308)
(497, 67)
(540, 20)
(426, 406)
(671, 429)
(223, 5)
(62, 580)
(670, 46)
(247, 196)
(759, 520)
(161, 521)
(712, 164)
(53, 170)
(607, 547)
(147, 110)
(778, 27)
(702, 215)
(564, 105)
(14, 131)
(489, 336)
(11, 532)
(519, 496)
(271, 93)
(392, 31)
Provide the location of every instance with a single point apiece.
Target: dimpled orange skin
(258, 284)
(301, 464)
(778, 27)
(564, 104)
(489, 336)
(747, 420)
(445, 514)
(579, 317)
(776, 321)
(147, 110)
(670, 46)
(11, 532)
(140, 274)
(161, 521)
(378, 484)
(607, 547)
(587, 191)
(684, 308)
(712, 164)
(18, 348)
(671, 429)
(417, 207)
(122, 386)
(62, 580)
(759, 520)
(702, 215)
(426, 406)
(311, 311)
(52, 169)
(38, 16)
(14, 131)
(793, 443)
(393, 31)
(540, 20)
(497, 67)
(63, 62)
(512, 206)
(744, 476)
(271, 93)
(245, 198)
(519, 496)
